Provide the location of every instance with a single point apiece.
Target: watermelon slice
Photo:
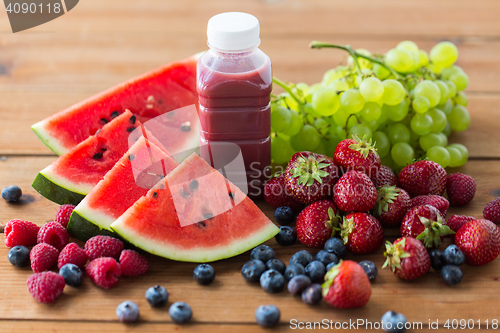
(195, 214)
(147, 96)
(74, 174)
(133, 175)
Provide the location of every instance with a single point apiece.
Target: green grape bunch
(407, 101)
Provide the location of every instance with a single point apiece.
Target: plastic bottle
(234, 83)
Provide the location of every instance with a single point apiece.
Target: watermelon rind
(49, 141)
(83, 229)
(58, 189)
(195, 254)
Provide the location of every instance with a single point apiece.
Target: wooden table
(101, 43)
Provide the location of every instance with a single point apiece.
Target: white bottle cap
(233, 31)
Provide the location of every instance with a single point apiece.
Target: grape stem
(355, 55)
(289, 91)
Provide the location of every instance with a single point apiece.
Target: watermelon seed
(131, 157)
(186, 127)
(171, 114)
(160, 101)
(133, 119)
(104, 149)
(104, 121)
(130, 129)
(202, 224)
(207, 216)
(97, 156)
(193, 185)
(184, 194)
(231, 195)
(155, 195)
(97, 132)
(114, 114)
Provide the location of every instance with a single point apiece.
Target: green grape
(461, 99)
(438, 120)
(444, 139)
(352, 101)
(382, 143)
(321, 125)
(455, 157)
(307, 139)
(398, 133)
(331, 75)
(449, 71)
(435, 68)
(289, 101)
(394, 92)
(399, 59)
(340, 117)
(452, 88)
(313, 88)
(447, 129)
(325, 101)
(320, 149)
(302, 88)
(371, 89)
(330, 144)
(421, 104)
(460, 79)
(363, 63)
(444, 90)
(351, 122)
(430, 140)
(402, 153)
(389, 162)
(459, 118)
(444, 54)
(384, 116)
(396, 112)
(423, 58)
(281, 119)
(414, 137)
(309, 110)
(463, 150)
(440, 155)
(446, 107)
(430, 90)
(360, 131)
(281, 151)
(373, 125)
(371, 111)
(295, 125)
(421, 123)
(408, 45)
(411, 83)
(341, 134)
(381, 72)
(339, 85)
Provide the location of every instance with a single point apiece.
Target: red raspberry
(72, 254)
(19, 232)
(53, 233)
(433, 200)
(104, 272)
(492, 211)
(132, 263)
(103, 246)
(460, 188)
(385, 176)
(43, 256)
(63, 214)
(45, 287)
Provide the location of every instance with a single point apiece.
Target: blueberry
(277, 265)
(180, 312)
(156, 296)
(262, 253)
(72, 275)
(204, 274)
(330, 266)
(267, 315)
(12, 193)
(284, 215)
(316, 270)
(298, 284)
(451, 274)
(272, 281)
(393, 322)
(302, 257)
(127, 312)
(327, 257)
(19, 256)
(437, 259)
(313, 294)
(453, 255)
(252, 270)
(337, 246)
(286, 236)
(294, 269)
(370, 269)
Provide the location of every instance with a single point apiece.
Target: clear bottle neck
(232, 53)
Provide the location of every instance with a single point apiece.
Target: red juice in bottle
(234, 82)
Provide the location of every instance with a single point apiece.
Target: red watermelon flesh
(149, 95)
(153, 222)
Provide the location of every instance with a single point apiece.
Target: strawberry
(310, 177)
(357, 154)
(423, 177)
(317, 223)
(385, 176)
(346, 286)
(425, 224)
(355, 192)
(392, 205)
(407, 258)
(361, 233)
(479, 241)
(460, 189)
(492, 211)
(441, 203)
(275, 194)
(455, 222)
